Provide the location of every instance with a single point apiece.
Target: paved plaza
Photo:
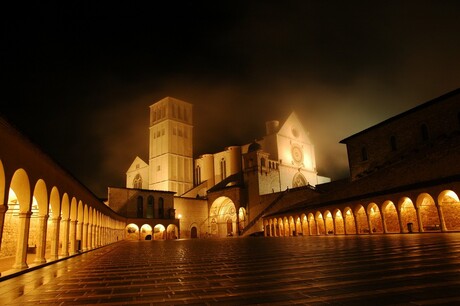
(415, 269)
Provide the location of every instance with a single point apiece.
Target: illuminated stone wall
(398, 138)
(191, 213)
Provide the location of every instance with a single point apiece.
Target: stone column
(23, 239)
(441, 218)
(89, 242)
(73, 237)
(334, 226)
(41, 245)
(345, 224)
(80, 235)
(65, 239)
(419, 219)
(401, 225)
(3, 209)
(356, 224)
(55, 238)
(84, 238)
(384, 223)
(369, 223)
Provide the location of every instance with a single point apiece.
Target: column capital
(25, 214)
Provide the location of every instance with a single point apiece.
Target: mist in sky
(79, 78)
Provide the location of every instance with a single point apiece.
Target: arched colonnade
(424, 212)
(45, 222)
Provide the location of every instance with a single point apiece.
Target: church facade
(217, 194)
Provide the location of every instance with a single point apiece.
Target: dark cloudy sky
(78, 78)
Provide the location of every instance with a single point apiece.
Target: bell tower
(171, 146)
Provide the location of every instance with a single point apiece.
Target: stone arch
(39, 221)
(73, 226)
(274, 228)
(172, 232)
(287, 227)
(328, 223)
(408, 215)
(17, 219)
(132, 232)
(280, 228)
(146, 232)
(298, 226)
(449, 204)
(304, 221)
(19, 192)
(291, 225)
(390, 217)
(55, 203)
(338, 222)
(159, 232)
(40, 198)
(321, 230)
(54, 215)
(349, 221)
(64, 225)
(428, 213)
(312, 224)
(222, 216)
(362, 223)
(375, 218)
(242, 218)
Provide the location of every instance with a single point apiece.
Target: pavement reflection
(368, 269)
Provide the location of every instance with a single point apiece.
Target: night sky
(78, 78)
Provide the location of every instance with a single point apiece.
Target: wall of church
(226, 163)
(204, 169)
(192, 213)
(393, 140)
(129, 202)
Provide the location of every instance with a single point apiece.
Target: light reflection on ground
(380, 269)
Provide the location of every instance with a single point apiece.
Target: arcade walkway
(419, 269)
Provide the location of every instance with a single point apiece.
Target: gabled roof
(137, 161)
(293, 125)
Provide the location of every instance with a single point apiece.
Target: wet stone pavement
(415, 269)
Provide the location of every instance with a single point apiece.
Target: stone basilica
(220, 194)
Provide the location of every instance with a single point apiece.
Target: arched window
(393, 143)
(140, 207)
(161, 208)
(223, 169)
(150, 207)
(364, 154)
(137, 182)
(425, 134)
(198, 175)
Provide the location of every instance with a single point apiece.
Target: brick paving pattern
(416, 269)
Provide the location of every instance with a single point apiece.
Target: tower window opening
(223, 169)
